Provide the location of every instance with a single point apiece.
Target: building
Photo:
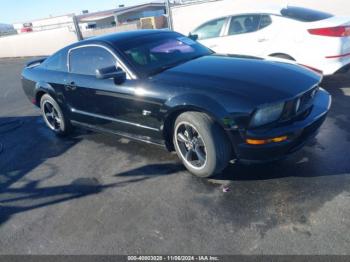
(52, 22)
(96, 20)
(120, 16)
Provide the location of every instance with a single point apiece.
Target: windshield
(155, 53)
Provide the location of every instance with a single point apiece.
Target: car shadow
(339, 87)
(153, 170)
(26, 144)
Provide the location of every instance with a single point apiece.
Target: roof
(117, 11)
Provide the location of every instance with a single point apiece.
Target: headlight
(267, 114)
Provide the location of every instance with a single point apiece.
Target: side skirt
(144, 139)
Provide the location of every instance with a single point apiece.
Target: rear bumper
(299, 133)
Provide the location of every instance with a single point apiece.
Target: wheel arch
(189, 103)
(42, 88)
(281, 54)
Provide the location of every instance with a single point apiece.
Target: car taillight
(339, 31)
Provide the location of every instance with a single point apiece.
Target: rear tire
(54, 117)
(201, 144)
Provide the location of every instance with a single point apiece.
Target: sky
(12, 11)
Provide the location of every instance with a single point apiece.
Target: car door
(244, 35)
(210, 33)
(101, 102)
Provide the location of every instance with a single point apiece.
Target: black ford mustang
(163, 88)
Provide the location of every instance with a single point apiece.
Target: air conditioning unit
(153, 22)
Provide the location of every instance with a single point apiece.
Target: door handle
(71, 86)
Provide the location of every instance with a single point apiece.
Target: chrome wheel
(52, 116)
(191, 145)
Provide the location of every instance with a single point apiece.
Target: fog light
(266, 141)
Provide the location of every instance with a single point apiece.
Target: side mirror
(114, 72)
(193, 37)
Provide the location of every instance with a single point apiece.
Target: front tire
(54, 117)
(201, 144)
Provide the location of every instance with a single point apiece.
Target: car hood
(257, 80)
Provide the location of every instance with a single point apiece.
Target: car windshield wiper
(168, 66)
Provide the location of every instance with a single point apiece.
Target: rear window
(56, 62)
(304, 14)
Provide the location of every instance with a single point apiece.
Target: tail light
(339, 31)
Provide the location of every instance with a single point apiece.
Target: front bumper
(298, 132)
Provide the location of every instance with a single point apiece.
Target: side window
(265, 21)
(244, 24)
(86, 60)
(56, 62)
(210, 29)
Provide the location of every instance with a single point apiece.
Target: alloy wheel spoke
(200, 155)
(189, 155)
(189, 132)
(199, 141)
(49, 115)
(58, 120)
(55, 113)
(182, 138)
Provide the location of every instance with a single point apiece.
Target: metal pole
(170, 17)
(77, 28)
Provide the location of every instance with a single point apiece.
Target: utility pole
(170, 17)
(77, 28)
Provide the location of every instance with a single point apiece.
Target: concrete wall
(36, 43)
(188, 17)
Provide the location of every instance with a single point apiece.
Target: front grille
(299, 106)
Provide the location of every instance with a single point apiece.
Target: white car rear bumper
(330, 66)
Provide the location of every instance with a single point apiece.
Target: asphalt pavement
(98, 194)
